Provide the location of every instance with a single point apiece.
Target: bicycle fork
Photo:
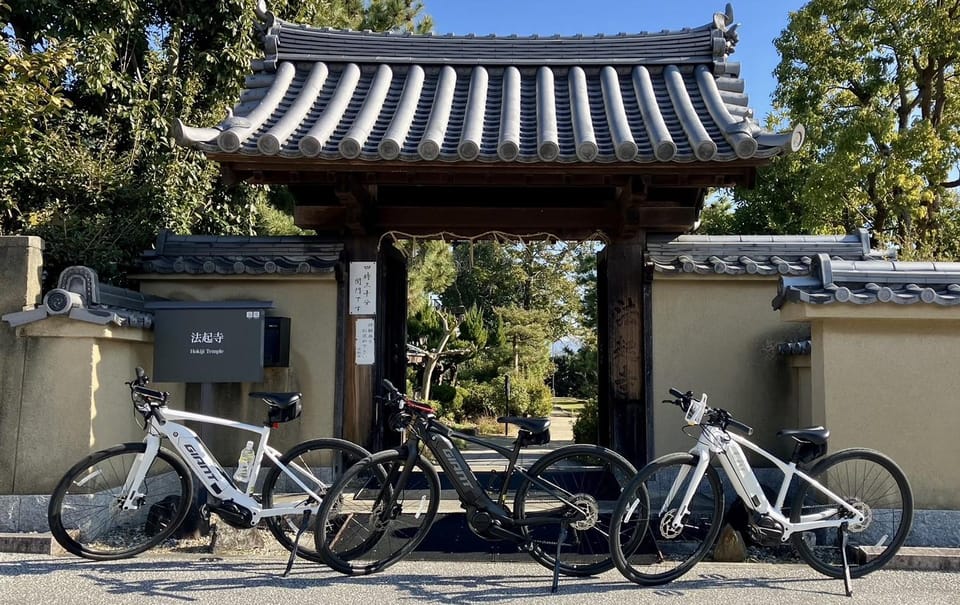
(132, 496)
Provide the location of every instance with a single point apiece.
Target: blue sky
(761, 21)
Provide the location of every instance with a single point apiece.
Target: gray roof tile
(751, 254)
(233, 255)
(867, 282)
(647, 97)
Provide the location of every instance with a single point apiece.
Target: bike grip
(746, 429)
(677, 393)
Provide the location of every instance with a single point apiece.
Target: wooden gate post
(357, 378)
(622, 317)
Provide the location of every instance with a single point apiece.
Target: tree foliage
(89, 90)
(874, 83)
(511, 302)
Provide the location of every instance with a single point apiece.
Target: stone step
(919, 558)
(30, 543)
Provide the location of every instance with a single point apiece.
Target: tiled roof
(669, 96)
(234, 255)
(79, 295)
(866, 282)
(751, 254)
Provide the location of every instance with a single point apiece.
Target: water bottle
(244, 463)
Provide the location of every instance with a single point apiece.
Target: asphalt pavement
(200, 578)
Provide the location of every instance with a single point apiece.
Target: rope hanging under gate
(501, 237)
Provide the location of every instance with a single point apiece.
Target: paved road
(157, 579)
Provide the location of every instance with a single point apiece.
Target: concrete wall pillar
(21, 267)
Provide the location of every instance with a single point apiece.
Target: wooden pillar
(623, 316)
(357, 388)
(391, 336)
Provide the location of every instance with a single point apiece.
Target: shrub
(528, 397)
(449, 400)
(586, 429)
(478, 400)
(443, 393)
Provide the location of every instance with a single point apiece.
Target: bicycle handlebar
(712, 416)
(395, 396)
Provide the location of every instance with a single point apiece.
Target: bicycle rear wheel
(377, 512)
(84, 511)
(582, 484)
(317, 464)
(646, 548)
(873, 484)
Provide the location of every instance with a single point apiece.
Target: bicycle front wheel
(578, 485)
(317, 464)
(377, 512)
(873, 484)
(646, 546)
(85, 513)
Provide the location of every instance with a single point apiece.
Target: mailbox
(276, 342)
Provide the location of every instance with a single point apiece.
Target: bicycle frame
(437, 438)
(725, 446)
(206, 468)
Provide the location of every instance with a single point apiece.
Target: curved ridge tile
(272, 141)
(583, 135)
(316, 138)
(625, 147)
(231, 140)
(392, 142)
(472, 133)
(703, 146)
(664, 148)
(191, 136)
(352, 143)
(432, 141)
(508, 147)
(787, 141)
(744, 145)
(548, 140)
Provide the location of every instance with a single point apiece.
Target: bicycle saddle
(534, 425)
(815, 434)
(278, 400)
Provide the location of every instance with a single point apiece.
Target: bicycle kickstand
(556, 562)
(296, 541)
(847, 583)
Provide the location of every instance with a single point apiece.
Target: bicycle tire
(369, 520)
(84, 514)
(873, 483)
(644, 547)
(319, 463)
(592, 477)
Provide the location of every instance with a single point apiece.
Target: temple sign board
(208, 342)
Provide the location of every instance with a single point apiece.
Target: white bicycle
(850, 512)
(123, 500)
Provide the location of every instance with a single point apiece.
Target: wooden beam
(312, 217)
(572, 223)
(664, 218)
(262, 169)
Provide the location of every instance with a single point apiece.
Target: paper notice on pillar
(365, 343)
(363, 288)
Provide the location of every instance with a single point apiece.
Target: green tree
(576, 373)
(439, 334)
(93, 169)
(875, 85)
(526, 296)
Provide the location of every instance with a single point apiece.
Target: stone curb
(909, 558)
